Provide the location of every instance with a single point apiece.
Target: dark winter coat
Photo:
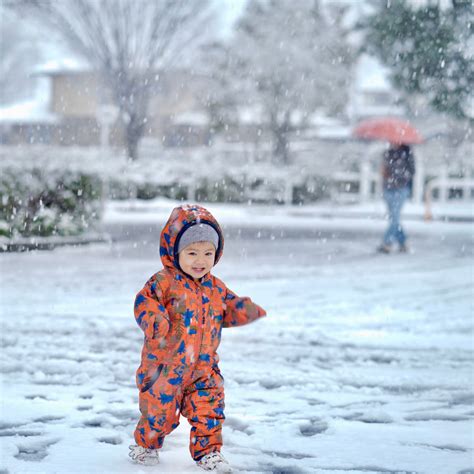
(398, 168)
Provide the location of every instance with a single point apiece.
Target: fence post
(288, 197)
(104, 181)
(419, 179)
(466, 189)
(443, 184)
(364, 181)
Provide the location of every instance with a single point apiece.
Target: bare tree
(128, 42)
(18, 52)
(287, 58)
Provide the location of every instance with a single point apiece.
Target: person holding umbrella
(398, 169)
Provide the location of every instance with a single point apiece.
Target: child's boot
(214, 462)
(145, 456)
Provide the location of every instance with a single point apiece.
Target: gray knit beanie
(198, 233)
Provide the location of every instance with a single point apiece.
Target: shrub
(36, 202)
(312, 189)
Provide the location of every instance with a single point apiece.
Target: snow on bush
(45, 202)
(232, 174)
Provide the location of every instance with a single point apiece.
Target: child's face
(197, 259)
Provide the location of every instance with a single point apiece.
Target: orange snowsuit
(182, 319)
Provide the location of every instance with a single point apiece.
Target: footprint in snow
(313, 427)
(270, 384)
(34, 450)
(110, 440)
(274, 469)
(84, 407)
(48, 418)
(369, 417)
(444, 447)
(5, 425)
(436, 417)
(20, 432)
(35, 396)
(314, 401)
(462, 399)
(238, 425)
(86, 396)
(97, 422)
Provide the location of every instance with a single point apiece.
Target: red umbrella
(394, 130)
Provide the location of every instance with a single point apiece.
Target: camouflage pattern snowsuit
(182, 320)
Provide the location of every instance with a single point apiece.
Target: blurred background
(275, 115)
(233, 101)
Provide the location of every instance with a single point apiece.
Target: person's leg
(390, 234)
(203, 406)
(402, 196)
(401, 237)
(159, 404)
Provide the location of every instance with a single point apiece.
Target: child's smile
(197, 259)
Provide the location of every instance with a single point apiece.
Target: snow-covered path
(364, 363)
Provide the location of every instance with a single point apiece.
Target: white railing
(365, 185)
(443, 189)
(353, 186)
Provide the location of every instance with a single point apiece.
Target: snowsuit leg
(159, 406)
(203, 405)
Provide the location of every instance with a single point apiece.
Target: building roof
(65, 65)
(32, 111)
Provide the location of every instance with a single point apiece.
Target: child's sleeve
(240, 310)
(150, 311)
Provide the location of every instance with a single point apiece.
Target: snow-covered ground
(364, 363)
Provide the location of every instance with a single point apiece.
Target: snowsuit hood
(181, 218)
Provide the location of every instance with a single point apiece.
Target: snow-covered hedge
(233, 188)
(39, 202)
(203, 174)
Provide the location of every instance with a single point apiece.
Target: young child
(182, 310)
